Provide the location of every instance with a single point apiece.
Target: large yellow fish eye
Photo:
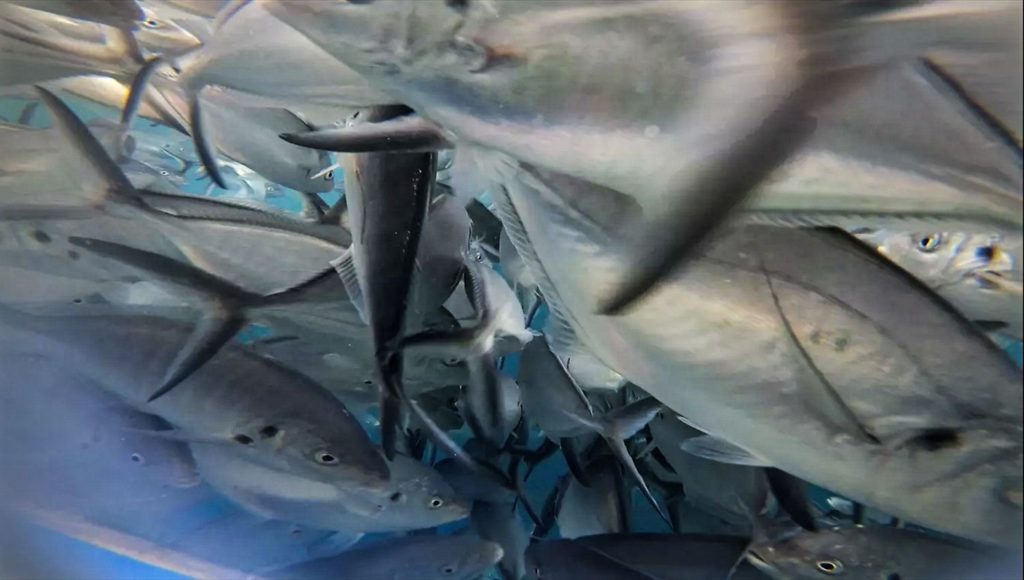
(929, 242)
(829, 567)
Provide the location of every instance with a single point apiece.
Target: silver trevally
(879, 552)
(414, 497)
(249, 135)
(887, 395)
(704, 104)
(601, 508)
(710, 486)
(236, 399)
(978, 273)
(425, 557)
(282, 67)
(640, 557)
(500, 523)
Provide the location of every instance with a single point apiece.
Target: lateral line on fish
(806, 356)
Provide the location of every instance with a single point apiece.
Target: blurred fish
(711, 486)
(640, 557)
(236, 399)
(500, 523)
(285, 69)
(474, 485)
(879, 552)
(601, 508)
(85, 433)
(555, 402)
(415, 496)
(879, 384)
(227, 307)
(388, 197)
(439, 258)
(248, 134)
(979, 274)
(428, 557)
(488, 75)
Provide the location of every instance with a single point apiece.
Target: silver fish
(879, 552)
(798, 326)
(414, 497)
(500, 523)
(602, 508)
(980, 274)
(236, 399)
(494, 75)
(640, 557)
(711, 486)
(428, 557)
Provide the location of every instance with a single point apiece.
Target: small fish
(641, 557)
(980, 274)
(879, 552)
(415, 496)
(601, 508)
(500, 523)
(428, 557)
(553, 400)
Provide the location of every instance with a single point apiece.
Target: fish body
(414, 497)
(500, 523)
(640, 557)
(803, 329)
(388, 197)
(879, 552)
(237, 398)
(598, 509)
(426, 557)
(978, 273)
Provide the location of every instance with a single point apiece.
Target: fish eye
(829, 566)
(929, 243)
(164, 172)
(151, 23)
(325, 458)
(136, 458)
(243, 439)
(448, 570)
(329, 176)
(396, 497)
(450, 361)
(269, 431)
(436, 502)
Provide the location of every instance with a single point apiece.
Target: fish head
(417, 496)
(938, 258)
(835, 552)
(387, 37)
(163, 35)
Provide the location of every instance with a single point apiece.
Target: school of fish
(547, 289)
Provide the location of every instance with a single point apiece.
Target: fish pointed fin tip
(203, 143)
(715, 449)
(137, 91)
(211, 333)
(87, 148)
